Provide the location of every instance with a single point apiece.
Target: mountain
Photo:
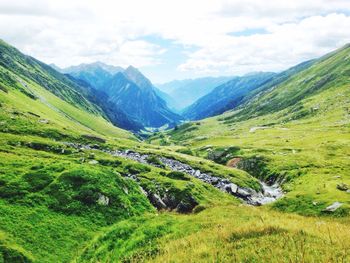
(185, 92)
(75, 188)
(226, 96)
(135, 94)
(294, 129)
(127, 91)
(96, 74)
(114, 112)
(40, 93)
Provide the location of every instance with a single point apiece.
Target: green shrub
(155, 161)
(178, 176)
(199, 208)
(107, 162)
(137, 168)
(38, 180)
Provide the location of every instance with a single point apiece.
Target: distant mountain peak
(138, 78)
(98, 65)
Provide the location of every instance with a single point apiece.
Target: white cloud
(69, 32)
(284, 45)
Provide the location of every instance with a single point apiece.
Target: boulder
(342, 187)
(242, 192)
(232, 188)
(333, 207)
(157, 201)
(44, 121)
(103, 200)
(187, 205)
(93, 162)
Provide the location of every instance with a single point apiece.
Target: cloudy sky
(180, 38)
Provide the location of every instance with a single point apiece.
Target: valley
(96, 166)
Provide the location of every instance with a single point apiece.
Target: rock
(93, 162)
(232, 188)
(157, 201)
(186, 206)
(253, 129)
(342, 187)
(44, 121)
(242, 192)
(333, 207)
(348, 191)
(197, 173)
(102, 200)
(314, 203)
(95, 146)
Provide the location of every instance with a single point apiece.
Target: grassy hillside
(65, 198)
(298, 131)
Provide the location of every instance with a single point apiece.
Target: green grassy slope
(49, 191)
(298, 131)
(53, 196)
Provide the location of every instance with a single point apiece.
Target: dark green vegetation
(65, 198)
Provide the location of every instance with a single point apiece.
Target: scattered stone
(242, 192)
(157, 201)
(342, 187)
(186, 206)
(44, 121)
(333, 207)
(103, 200)
(233, 188)
(268, 194)
(314, 203)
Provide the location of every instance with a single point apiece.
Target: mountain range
(226, 96)
(185, 92)
(260, 175)
(128, 91)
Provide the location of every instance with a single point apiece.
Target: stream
(269, 193)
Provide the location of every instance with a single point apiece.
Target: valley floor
(52, 219)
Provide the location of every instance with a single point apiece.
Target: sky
(177, 39)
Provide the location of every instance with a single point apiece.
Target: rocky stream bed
(268, 193)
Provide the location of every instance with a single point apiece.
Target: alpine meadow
(174, 131)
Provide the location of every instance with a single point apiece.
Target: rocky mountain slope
(129, 91)
(96, 74)
(187, 91)
(226, 96)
